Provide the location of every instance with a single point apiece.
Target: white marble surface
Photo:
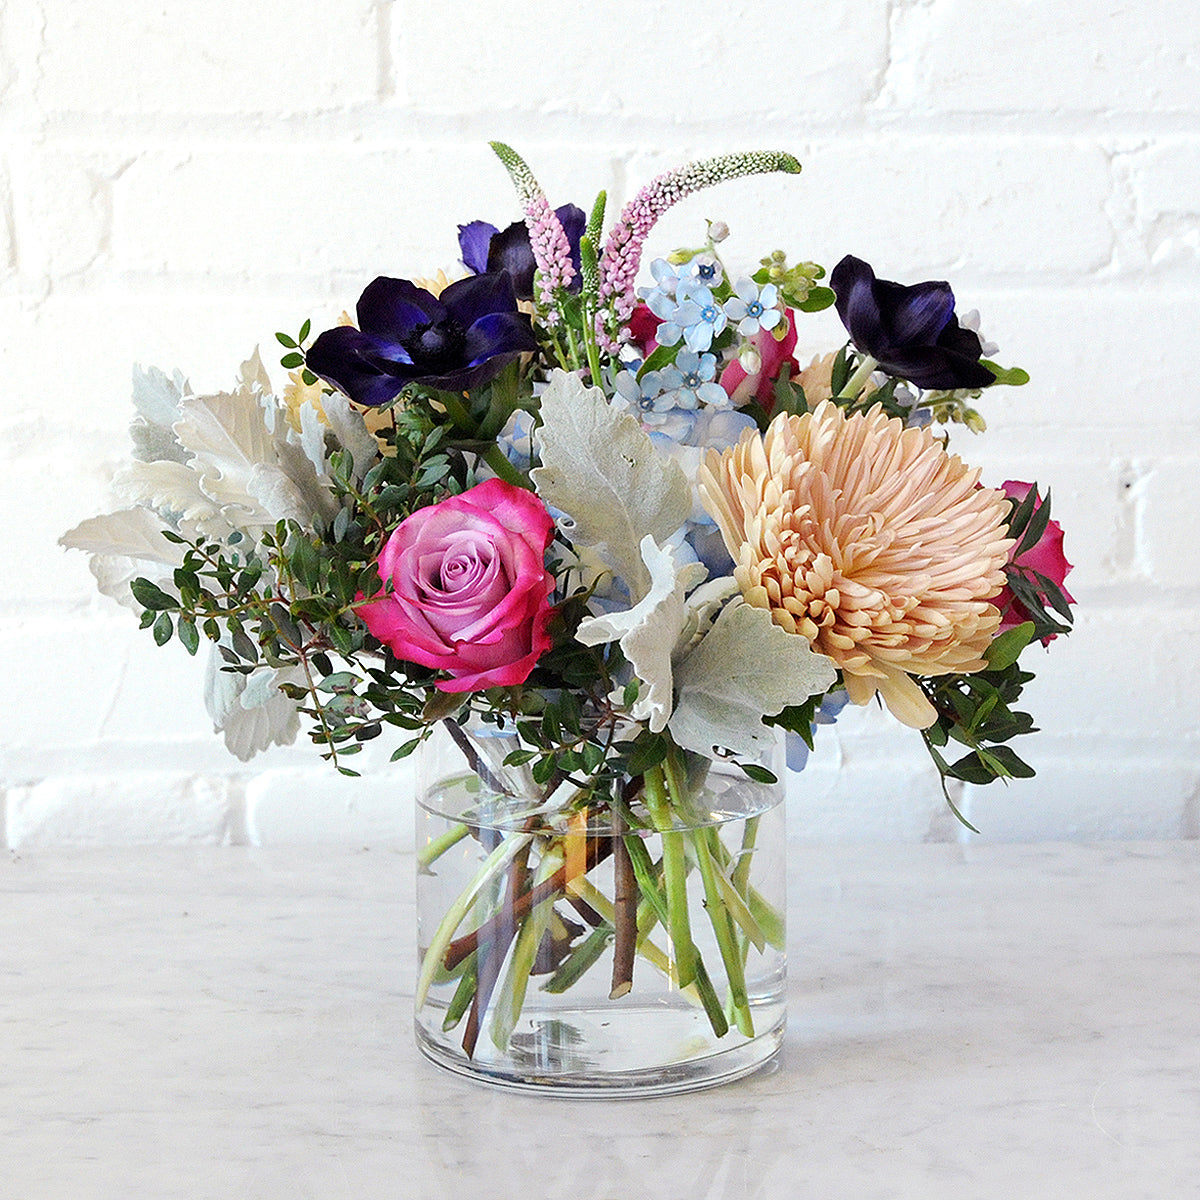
(968, 1022)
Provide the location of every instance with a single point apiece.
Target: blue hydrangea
(686, 443)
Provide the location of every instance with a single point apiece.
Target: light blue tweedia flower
(676, 313)
(917, 417)
(647, 398)
(696, 386)
(711, 319)
(753, 309)
(666, 279)
(704, 269)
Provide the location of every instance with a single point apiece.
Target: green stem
(442, 843)
(722, 926)
(495, 458)
(858, 380)
(495, 862)
(505, 397)
(572, 345)
(516, 981)
(456, 410)
(766, 916)
(648, 949)
(741, 873)
(674, 859)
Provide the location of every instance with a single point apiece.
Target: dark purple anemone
(405, 334)
(486, 248)
(911, 331)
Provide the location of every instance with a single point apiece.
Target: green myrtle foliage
(287, 600)
(295, 356)
(975, 711)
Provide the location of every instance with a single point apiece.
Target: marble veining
(965, 1021)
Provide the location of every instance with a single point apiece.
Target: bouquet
(613, 534)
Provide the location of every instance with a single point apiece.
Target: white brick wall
(178, 180)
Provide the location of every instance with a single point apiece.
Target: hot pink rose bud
(469, 587)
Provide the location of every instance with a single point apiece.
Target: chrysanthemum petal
(868, 539)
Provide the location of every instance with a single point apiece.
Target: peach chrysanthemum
(870, 540)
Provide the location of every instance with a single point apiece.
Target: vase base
(551, 1059)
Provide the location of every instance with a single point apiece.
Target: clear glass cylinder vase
(598, 949)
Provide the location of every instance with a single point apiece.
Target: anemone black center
(437, 348)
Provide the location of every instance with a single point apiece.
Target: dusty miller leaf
(123, 545)
(249, 710)
(156, 398)
(601, 469)
(650, 630)
(743, 669)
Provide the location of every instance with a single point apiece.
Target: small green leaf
(343, 681)
(648, 751)
(189, 635)
(150, 595)
(759, 774)
(1013, 376)
(662, 356)
(1006, 649)
(818, 298)
(970, 769)
(518, 758)
(403, 751)
(292, 360)
(285, 339)
(243, 646)
(305, 563)
(163, 629)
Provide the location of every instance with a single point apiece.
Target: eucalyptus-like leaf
(601, 469)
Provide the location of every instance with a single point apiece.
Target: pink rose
(1046, 558)
(643, 325)
(775, 358)
(469, 587)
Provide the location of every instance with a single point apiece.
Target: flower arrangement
(623, 527)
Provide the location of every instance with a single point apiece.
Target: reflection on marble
(967, 1022)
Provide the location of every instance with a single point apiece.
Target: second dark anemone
(486, 248)
(456, 341)
(911, 331)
